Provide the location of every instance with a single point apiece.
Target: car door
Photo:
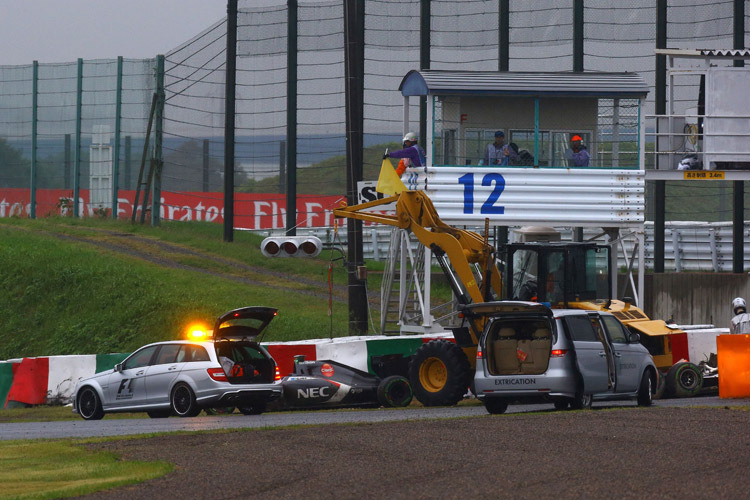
(162, 373)
(591, 358)
(628, 356)
(126, 387)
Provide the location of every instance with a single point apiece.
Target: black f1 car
(326, 384)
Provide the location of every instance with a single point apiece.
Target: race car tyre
(439, 373)
(582, 401)
(645, 392)
(684, 380)
(183, 401)
(89, 404)
(254, 408)
(561, 405)
(394, 391)
(661, 386)
(224, 410)
(159, 413)
(495, 406)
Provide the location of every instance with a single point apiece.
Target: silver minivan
(569, 357)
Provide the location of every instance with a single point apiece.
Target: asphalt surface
(604, 453)
(123, 427)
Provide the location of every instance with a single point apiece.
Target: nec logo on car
(515, 381)
(313, 392)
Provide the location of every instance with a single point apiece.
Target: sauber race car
(326, 384)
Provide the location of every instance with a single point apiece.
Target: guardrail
(688, 246)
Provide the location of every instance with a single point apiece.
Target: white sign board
(534, 196)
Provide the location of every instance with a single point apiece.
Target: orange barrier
(733, 353)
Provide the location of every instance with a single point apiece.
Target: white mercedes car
(182, 377)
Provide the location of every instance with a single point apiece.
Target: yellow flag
(388, 181)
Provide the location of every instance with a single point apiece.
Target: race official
(741, 319)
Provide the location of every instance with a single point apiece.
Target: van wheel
(254, 408)
(439, 373)
(582, 401)
(89, 404)
(495, 406)
(684, 380)
(183, 401)
(394, 391)
(644, 390)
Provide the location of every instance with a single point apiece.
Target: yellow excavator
(562, 275)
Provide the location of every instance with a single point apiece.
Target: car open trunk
(244, 363)
(236, 337)
(518, 345)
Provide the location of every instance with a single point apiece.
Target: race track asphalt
(612, 452)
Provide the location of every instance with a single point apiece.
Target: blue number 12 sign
(488, 207)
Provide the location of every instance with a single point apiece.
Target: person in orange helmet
(577, 153)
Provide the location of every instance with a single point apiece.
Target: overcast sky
(64, 30)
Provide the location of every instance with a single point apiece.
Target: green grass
(44, 469)
(68, 298)
(60, 296)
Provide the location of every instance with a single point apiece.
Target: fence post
(676, 249)
(229, 119)
(291, 118)
(712, 244)
(158, 137)
(374, 240)
(34, 102)
(206, 163)
(128, 147)
(66, 162)
(77, 162)
(116, 159)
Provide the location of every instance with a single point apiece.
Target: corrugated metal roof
(590, 84)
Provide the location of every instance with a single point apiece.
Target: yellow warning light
(198, 332)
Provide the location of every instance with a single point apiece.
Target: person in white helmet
(741, 319)
(413, 154)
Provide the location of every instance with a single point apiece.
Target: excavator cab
(556, 273)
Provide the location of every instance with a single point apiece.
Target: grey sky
(64, 30)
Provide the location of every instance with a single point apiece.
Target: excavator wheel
(439, 373)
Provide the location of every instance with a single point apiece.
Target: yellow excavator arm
(416, 213)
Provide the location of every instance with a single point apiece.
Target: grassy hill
(93, 286)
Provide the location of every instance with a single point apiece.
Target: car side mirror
(634, 338)
(118, 367)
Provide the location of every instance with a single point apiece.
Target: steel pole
(229, 104)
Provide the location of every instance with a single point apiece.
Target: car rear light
(217, 374)
(558, 353)
(277, 375)
(479, 354)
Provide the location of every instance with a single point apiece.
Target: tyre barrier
(52, 379)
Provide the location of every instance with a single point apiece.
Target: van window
(579, 328)
(617, 333)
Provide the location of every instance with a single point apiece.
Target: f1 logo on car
(126, 383)
(313, 392)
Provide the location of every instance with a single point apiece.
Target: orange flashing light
(198, 331)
